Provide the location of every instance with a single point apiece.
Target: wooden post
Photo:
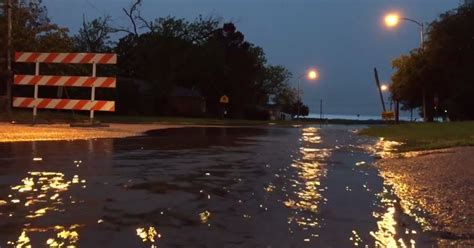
(94, 74)
(35, 96)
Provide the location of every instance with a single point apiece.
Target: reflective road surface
(202, 187)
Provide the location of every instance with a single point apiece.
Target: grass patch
(44, 116)
(426, 136)
(188, 121)
(52, 116)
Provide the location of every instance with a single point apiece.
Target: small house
(187, 102)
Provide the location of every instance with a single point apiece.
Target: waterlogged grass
(51, 116)
(426, 136)
(186, 121)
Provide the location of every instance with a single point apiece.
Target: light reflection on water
(388, 233)
(148, 235)
(42, 192)
(310, 168)
(389, 230)
(409, 204)
(63, 237)
(384, 148)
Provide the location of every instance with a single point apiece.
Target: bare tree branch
(146, 24)
(132, 16)
(116, 30)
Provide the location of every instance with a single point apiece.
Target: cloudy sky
(343, 39)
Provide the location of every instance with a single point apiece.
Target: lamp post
(311, 74)
(392, 20)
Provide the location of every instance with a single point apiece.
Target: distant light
(312, 75)
(392, 20)
(37, 159)
(384, 87)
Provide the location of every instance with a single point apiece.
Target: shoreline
(437, 188)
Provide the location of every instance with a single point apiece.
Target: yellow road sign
(224, 99)
(388, 115)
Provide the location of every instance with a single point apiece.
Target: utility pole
(397, 111)
(422, 46)
(299, 100)
(8, 6)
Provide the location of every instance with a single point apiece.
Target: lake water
(356, 117)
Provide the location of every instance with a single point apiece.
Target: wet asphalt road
(202, 187)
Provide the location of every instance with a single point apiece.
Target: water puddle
(202, 187)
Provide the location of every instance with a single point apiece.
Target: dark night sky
(343, 39)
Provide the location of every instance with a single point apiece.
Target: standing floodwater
(201, 187)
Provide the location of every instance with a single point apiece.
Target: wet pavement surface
(440, 183)
(202, 187)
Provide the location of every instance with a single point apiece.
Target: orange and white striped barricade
(65, 81)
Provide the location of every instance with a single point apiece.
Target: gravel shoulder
(19, 133)
(439, 183)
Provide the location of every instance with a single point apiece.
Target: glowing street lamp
(392, 20)
(384, 88)
(310, 74)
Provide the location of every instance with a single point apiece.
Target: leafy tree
(286, 99)
(94, 36)
(300, 108)
(32, 29)
(443, 70)
(167, 56)
(276, 84)
(243, 66)
(157, 56)
(407, 86)
(304, 111)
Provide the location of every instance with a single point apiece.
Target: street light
(385, 88)
(310, 74)
(392, 20)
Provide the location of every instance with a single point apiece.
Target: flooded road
(202, 187)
